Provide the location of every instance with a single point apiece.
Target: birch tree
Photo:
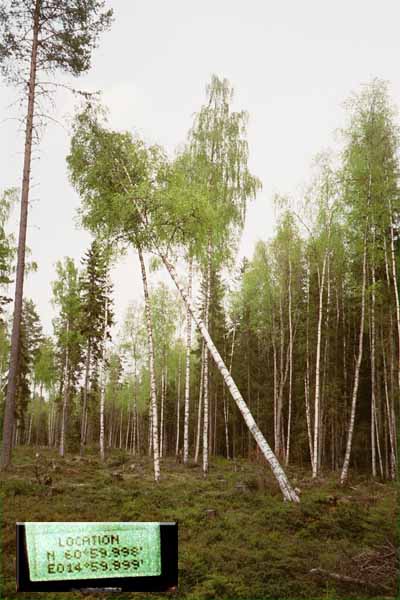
(371, 176)
(102, 166)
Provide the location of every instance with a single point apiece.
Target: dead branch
(350, 580)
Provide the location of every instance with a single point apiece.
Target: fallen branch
(351, 580)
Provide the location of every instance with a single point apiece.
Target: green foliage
(67, 326)
(115, 175)
(68, 34)
(7, 247)
(210, 183)
(30, 340)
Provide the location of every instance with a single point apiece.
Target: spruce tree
(95, 290)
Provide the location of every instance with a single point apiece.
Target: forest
(268, 388)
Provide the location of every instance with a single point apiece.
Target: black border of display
(167, 581)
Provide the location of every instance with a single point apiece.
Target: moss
(233, 544)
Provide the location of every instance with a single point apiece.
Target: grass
(251, 545)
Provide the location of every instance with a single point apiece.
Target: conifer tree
(69, 338)
(95, 292)
(39, 37)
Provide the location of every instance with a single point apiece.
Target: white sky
(292, 65)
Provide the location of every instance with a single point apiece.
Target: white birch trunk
(187, 372)
(150, 347)
(205, 396)
(396, 291)
(288, 492)
(345, 469)
(197, 449)
(162, 413)
(290, 365)
(178, 407)
(317, 399)
(307, 375)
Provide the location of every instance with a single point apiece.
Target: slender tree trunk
(187, 372)
(345, 469)
(279, 443)
(389, 414)
(307, 375)
(178, 405)
(284, 484)
(65, 399)
(103, 385)
(275, 390)
(85, 392)
(396, 291)
(317, 399)
(28, 441)
(128, 428)
(290, 365)
(150, 349)
(322, 413)
(197, 449)
(9, 412)
(150, 444)
(373, 398)
(163, 386)
(206, 363)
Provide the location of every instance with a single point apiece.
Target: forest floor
(237, 538)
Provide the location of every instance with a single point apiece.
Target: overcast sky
(292, 65)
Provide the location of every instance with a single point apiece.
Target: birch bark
(205, 391)
(317, 399)
(288, 492)
(345, 469)
(187, 372)
(150, 348)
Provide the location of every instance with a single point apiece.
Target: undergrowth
(238, 540)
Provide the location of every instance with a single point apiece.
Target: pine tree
(38, 36)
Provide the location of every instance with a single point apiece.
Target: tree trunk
(206, 362)
(345, 469)
(317, 399)
(103, 385)
(178, 405)
(390, 415)
(307, 375)
(187, 374)
(396, 291)
(84, 407)
(284, 484)
(65, 399)
(9, 412)
(373, 398)
(197, 449)
(153, 389)
(290, 365)
(162, 412)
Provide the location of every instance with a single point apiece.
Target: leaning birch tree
(125, 197)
